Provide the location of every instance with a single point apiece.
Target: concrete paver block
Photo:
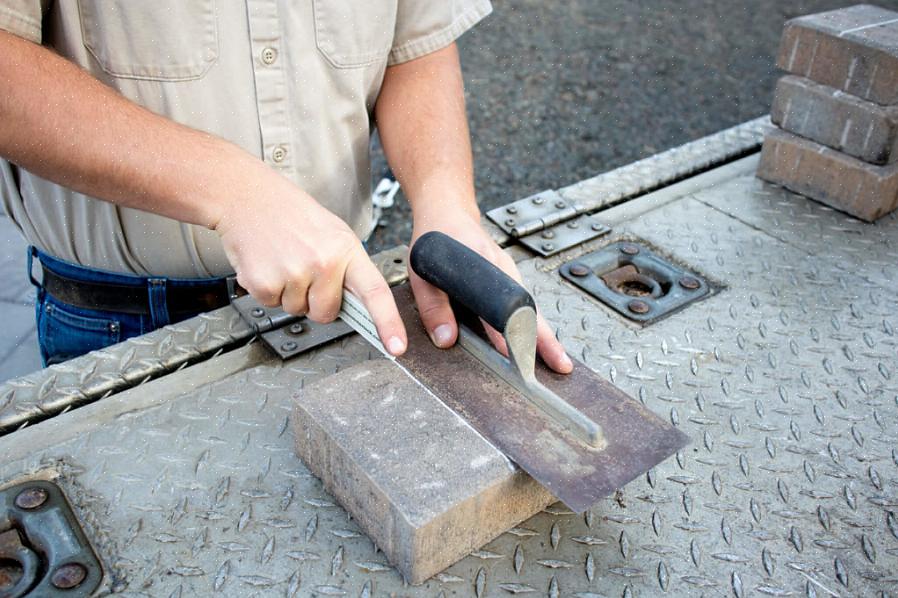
(836, 179)
(836, 119)
(423, 484)
(854, 49)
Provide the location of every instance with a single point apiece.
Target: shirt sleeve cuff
(432, 42)
(21, 25)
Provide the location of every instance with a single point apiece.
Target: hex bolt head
(31, 498)
(548, 246)
(257, 312)
(538, 201)
(68, 576)
(289, 346)
(638, 307)
(548, 234)
(629, 249)
(511, 209)
(689, 282)
(296, 329)
(579, 270)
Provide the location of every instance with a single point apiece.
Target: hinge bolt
(560, 205)
(573, 224)
(289, 347)
(690, 283)
(597, 227)
(538, 201)
(68, 576)
(257, 312)
(629, 249)
(548, 234)
(509, 221)
(31, 498)
(579, 270)
(638, 307)
(511, 210)
(296, 328)
(548, 246)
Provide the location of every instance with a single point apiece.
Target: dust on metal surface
(634, 439)
(785, 381)
(635, 281)
(43, 551)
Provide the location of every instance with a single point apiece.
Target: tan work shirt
(292, 82)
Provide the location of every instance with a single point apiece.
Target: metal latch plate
(546, 223)
(635, 281)
(43, 551)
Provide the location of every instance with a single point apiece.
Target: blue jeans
(66, 331)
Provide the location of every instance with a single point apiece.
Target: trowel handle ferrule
(468, 278)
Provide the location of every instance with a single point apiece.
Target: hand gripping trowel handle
(488, 292)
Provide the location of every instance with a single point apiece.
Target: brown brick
(854, 49)
(836, 179)
(836, 119)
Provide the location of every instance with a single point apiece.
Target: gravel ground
(561, 91)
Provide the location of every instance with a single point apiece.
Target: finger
(365, 281)
(294, 300)
(496, 338)
(435, 311)
(265, 287)
(550, 349)
(325, 297)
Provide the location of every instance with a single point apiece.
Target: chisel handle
(468, 278)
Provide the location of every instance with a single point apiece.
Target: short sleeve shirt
(293, 83)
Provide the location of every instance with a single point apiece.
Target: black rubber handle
(468, 278)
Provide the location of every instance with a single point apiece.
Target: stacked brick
(837, 111)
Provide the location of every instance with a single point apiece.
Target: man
(154, 148)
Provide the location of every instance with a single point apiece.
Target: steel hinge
(547, 223)
(288, 335)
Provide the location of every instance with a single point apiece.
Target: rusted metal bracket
(546, 223)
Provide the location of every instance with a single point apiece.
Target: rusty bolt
(638, 307)
(257, 312)
(289, 346)
(548, 246)
(629, 249)
(31, 498)
(579, 270)
(548, 234)
(296, 329)
(511, 210)
(68, 576)
(538, 201)
(689, 282)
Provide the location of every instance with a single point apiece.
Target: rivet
(579, 269)
(68, 576)
(296, 328)
(573, 224)
(560, 205)
(31, 498)
(510, 221)
(548, 234)
(257, 312)
(638, 307)
(597, 227)
(538, 200)
(548, 246)
(629, 249)
(689, 282)
(289, 346)
(511, 210)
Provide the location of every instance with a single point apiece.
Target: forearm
(62, 124)
(424, 131)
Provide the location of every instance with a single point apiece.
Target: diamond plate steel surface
(785, 381)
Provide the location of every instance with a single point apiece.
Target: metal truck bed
(785, 378)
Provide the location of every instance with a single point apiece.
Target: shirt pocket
(352, 34)
(159, 40)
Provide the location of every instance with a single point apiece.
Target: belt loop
(158, 300)
(32, 253)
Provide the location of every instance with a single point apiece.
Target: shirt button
(279, 153)
(269, 55)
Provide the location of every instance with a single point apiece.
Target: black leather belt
(129, 299)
